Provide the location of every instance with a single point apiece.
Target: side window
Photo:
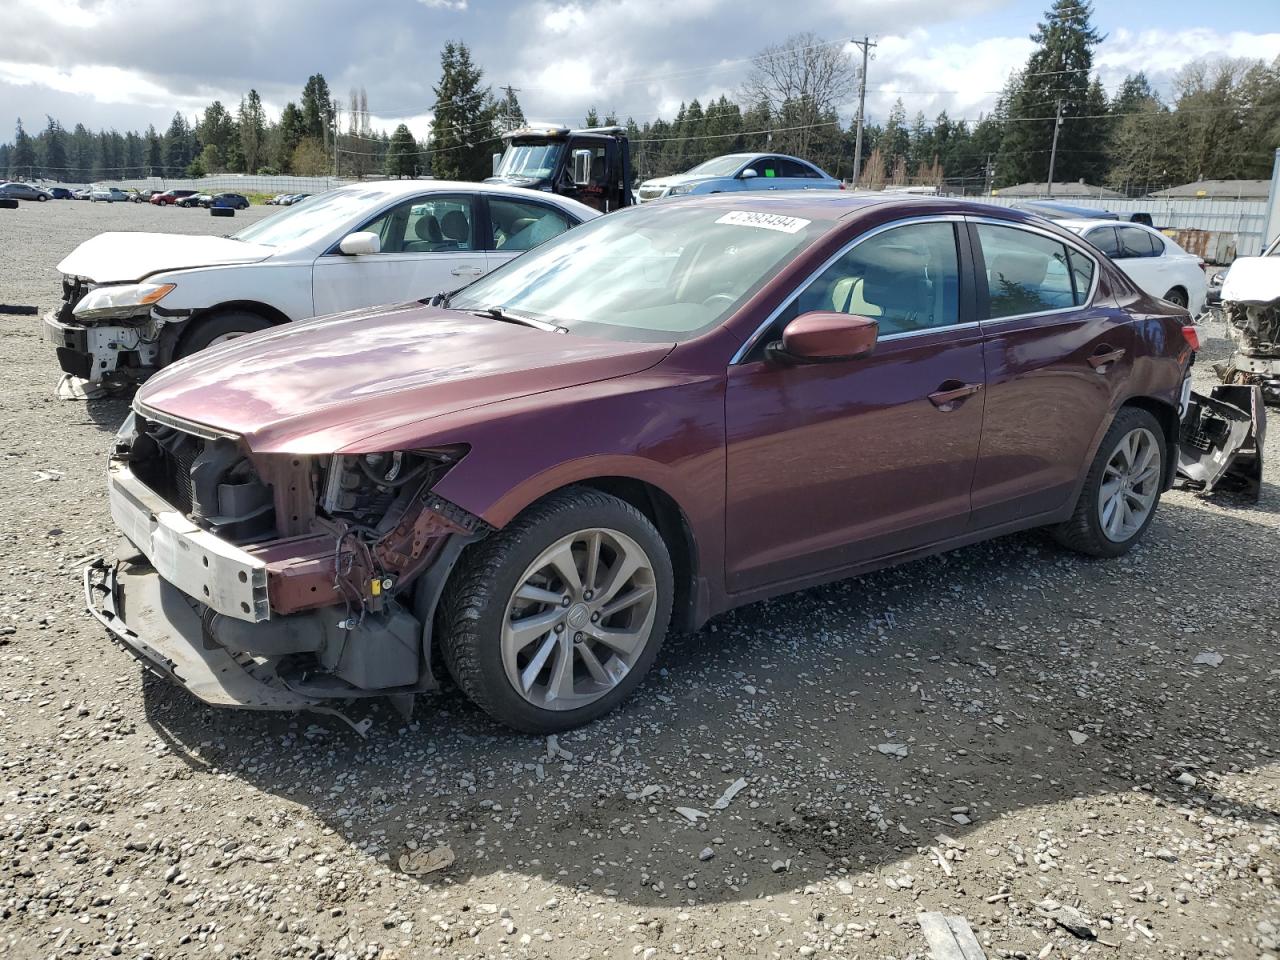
(1104, 238)
(791, 168)
(1081, 275)
(908, 278)
(1137, 243)
(1026, 272)
(518, 225)
(427, 225)
(767, 167)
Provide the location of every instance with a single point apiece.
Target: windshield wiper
(498, 313)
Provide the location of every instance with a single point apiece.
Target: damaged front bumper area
(276, 582)
(101, 352)
(1222, 439)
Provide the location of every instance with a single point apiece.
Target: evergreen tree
(252, 123)
(292, 129)
(317, 108)
(177, 146)
(22, 158)
(462, 130)
(1057, 71)
(403, 156)
(155, 152)
(592, 118)
(83, 151)
(55, 150)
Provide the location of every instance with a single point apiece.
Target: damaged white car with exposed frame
(135, 302)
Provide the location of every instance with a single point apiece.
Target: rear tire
(524, 643)
(1178, 297)
(219, 327)
(1122, 489)
(42, 198)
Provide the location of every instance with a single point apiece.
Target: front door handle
(1103, 357)
(466, 271)
(952, 393)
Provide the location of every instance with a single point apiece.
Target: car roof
(391, 189)
(1090, 224)
(837, 205)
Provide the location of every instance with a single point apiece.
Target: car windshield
(646, 274)
(719, 166)
(533, 160)
(318, 216)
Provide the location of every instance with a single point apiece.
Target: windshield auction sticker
(765, 221)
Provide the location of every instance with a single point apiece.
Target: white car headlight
(680, 189)
(120, 299)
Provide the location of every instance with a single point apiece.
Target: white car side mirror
(748, 174)
(360, 242)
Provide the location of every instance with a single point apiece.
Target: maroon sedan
(660, 415)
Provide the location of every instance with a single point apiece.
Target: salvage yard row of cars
(422, 426)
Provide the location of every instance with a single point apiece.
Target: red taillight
(841, 184)
(1192, 336)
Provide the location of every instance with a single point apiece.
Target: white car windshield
(318, 216)
(719, 166)
(533, 160)
(646, 274)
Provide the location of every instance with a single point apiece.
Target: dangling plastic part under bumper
(164, 632)
(1221, 440)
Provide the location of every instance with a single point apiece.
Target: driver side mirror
(497, 160)
(581, 168)
(824, 336)
(748, 174)
(359, 243)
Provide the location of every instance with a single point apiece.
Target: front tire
(218, 328)
(554, 620)
(42, 198)
(1122, 489)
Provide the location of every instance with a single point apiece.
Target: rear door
(431, 243)
(517, 225)
(1056, 353)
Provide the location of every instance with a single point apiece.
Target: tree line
(1219, 120)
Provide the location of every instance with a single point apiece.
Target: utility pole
(508, 122)
(988, 178)
(1053, 153)
(865, 46)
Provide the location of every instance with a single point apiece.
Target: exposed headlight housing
(120, 300)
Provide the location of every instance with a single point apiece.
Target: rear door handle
(466, 271)
(952, 393)
(1103, 357)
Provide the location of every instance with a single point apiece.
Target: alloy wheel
(579, 618)
(1130, 485)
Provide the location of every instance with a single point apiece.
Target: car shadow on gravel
(869, 718)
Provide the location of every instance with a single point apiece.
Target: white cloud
(444, 4)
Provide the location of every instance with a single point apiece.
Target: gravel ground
(1002, 734)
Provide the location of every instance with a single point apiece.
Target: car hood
(1252, 280)
(323, 385)
(123, 257)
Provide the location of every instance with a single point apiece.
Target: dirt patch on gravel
(999, 733)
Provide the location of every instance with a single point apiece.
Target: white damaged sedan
(135, 302)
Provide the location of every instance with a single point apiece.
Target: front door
(836, 463)
(430, 244)
(1055, 355)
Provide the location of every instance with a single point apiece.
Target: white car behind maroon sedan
(1150, 259)
(135, 302)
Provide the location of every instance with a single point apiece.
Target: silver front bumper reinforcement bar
(165, 633)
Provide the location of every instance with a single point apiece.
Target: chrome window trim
(749, 344)
(1032, 228)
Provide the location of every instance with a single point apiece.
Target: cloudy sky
(127, 63)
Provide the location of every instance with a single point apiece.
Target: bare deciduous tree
(803, 79)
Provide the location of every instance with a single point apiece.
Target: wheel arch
(174, 335)
(1170, 425)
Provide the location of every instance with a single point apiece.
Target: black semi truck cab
(593, 166)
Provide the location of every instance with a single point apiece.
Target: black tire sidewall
(1177, 298)
(1129, 419)
(505, 703)
(207, 329)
